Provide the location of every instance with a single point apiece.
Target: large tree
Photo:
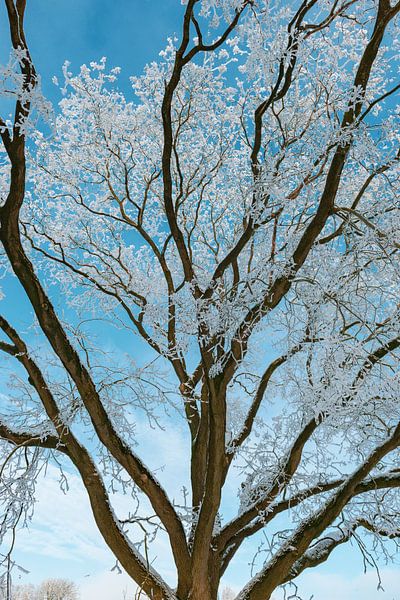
(240, 215)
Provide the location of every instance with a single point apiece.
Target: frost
(208, 267)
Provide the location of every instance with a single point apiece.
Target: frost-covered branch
(282, 285)
(321, 550)
(377, 482)
(276, 571)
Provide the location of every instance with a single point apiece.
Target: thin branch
(282, 284)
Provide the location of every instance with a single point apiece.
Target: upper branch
(283, 81)
(181, 59)
(282, 284)
(201, 47)
(166, 111)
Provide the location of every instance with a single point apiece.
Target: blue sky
(62, 540)
(129, 32)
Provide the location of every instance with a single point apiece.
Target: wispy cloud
(331, 586)
(107, 586)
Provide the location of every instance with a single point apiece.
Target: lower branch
(134, 564)
(323, 547)
(279, 568)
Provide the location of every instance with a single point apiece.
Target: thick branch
(134, 564)
(52, 328)
(386, 481)
(278, 569)
(239, 528)
(25, 438)
(322, 549)
(288, 469)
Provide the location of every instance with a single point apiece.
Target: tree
(57, 589)
(228, 594)
(241, 217)
(23, 592)
(50, 589)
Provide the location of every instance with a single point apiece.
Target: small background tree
(57, 589)
(50, 589)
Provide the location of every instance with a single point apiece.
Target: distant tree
(50, 589)
(57, 589)
(228, 594)
(24, 592)
(239, 213)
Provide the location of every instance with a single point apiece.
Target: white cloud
(107, 586)
(331, 586)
